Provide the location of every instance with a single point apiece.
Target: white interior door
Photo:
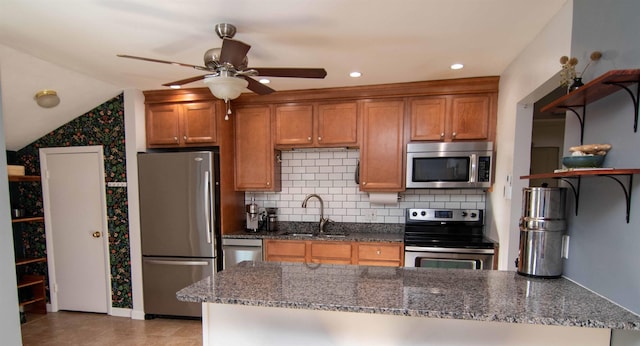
(76, 228)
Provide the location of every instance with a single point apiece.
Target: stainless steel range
(447, 238)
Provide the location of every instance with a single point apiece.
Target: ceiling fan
(227, 68)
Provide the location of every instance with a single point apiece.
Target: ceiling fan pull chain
(226, 116)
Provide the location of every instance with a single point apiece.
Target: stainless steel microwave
(454, 165)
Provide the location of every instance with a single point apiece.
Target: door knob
(97, 234)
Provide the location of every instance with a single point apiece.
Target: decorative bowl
(587, 161)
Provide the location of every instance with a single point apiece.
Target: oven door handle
(442, 249)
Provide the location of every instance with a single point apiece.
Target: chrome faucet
(323, 220)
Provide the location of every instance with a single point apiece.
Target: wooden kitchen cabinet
(453, 118)
(181, 124)
(285, 250)
(334, 252)
(257, 167)
(381, 152)
(330, 252)
(380, 254)
(316, 125)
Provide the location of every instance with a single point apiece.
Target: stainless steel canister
(542, 227)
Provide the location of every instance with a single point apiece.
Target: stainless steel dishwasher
(236, 250)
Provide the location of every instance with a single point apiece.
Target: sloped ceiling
(71, 46)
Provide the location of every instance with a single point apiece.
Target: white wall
(522, 83)
(135, 142)
(9, 316)
(603, 253)
(330, 174)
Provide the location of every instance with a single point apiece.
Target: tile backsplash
(330, 173)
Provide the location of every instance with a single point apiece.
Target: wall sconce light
(47, 98)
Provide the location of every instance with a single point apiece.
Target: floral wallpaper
(104, 126)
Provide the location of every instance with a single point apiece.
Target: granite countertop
(481, 295)
(335, 232)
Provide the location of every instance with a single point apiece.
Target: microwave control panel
(484, 169)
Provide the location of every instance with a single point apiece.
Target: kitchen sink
(294, 234)
(320, 235)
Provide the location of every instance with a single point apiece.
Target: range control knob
(415, 213)
(474, 215)
(423, 213)
(464, 214)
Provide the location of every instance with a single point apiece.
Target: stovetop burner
(447, 228)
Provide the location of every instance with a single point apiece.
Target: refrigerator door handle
(178, 263)
(207, 204)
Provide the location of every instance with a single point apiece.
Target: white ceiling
(71, 46)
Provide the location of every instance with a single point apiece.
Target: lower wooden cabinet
(380, 254)
(334, 252)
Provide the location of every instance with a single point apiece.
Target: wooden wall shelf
(578, 174)
(605, 85)
(28, 219)
(18, 178)
(23, 261)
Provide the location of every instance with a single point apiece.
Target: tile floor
(76, 328)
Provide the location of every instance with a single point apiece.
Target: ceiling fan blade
(163, 61)
(291, 72)
(257, 87)
(185, 81)
(233, 52)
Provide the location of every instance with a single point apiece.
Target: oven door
(448, 258)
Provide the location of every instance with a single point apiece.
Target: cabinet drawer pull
(319, 138)
(175, 139)
(441, 134)
(378, 252)
(454, 135)
(185, 138)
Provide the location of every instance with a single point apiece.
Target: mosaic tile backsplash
(330, 173)
(104, 125)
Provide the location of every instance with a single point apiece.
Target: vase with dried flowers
(568, 75)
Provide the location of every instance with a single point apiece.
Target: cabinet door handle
(309, 139)
(185, 138)
(319, 139)
(378, 252)
(96, 234)
(175, 139)
(441, 134)
(453, 135)
(364, 183)
(268, 183)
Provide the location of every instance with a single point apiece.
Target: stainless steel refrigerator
(179, 208)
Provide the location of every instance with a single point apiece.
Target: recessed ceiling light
(174, 86)
(456, 66)
(265, 81)
(355, 74)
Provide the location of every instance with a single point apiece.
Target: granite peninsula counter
(415, 295)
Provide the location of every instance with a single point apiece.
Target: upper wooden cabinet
(181, 124)
(316, 125)
(381, 152)
(453, 118)
(256, 164)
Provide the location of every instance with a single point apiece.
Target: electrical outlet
(373, 215)
(565, 246)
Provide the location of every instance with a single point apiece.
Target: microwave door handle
(474, 168)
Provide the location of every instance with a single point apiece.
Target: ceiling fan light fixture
(225, 87)
(47, 98)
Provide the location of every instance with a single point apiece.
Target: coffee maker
(253, 216)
